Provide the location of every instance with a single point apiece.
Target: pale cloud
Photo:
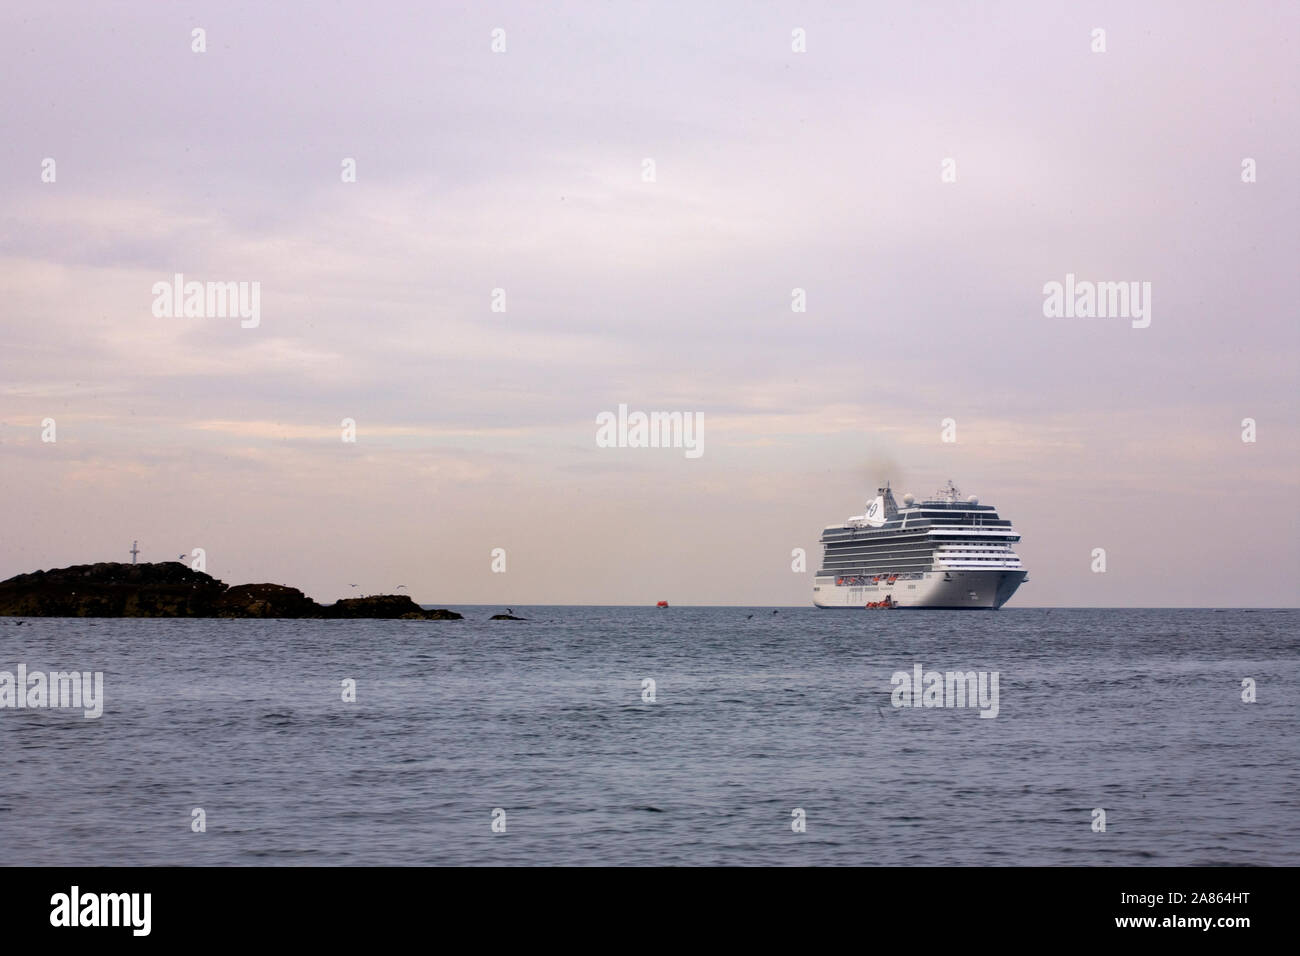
(523, 172)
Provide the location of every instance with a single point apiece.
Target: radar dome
(909, 500)
(973, 500)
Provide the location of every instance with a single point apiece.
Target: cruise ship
(943, 552)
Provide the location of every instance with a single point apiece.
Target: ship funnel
(875, 514)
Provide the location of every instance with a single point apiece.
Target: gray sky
(774, 170)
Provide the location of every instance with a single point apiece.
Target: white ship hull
(934, 589)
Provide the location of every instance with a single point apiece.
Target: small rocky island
(173, 589)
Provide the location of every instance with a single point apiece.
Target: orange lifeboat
(662, 604)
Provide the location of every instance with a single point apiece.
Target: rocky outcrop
(265, 600)
(172, 589)
(169, 589)
(506, 617)
(391, 606)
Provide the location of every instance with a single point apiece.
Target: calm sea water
(1135, 712)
